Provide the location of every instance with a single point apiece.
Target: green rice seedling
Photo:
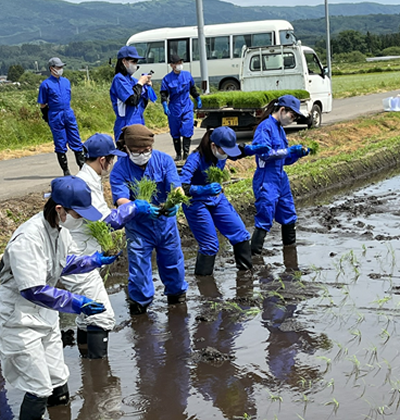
(144, 189)
(331, 384)
(335, 403)
(395, 394)
(218, 175)
(328, 362)
(276, 398)
(176, 196)
(356, 335)
(110, 240)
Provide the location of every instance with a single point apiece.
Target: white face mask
(218, 155)
(58, 72)
(140, 160)
(179, 67)
(71, 223)
(131, 68)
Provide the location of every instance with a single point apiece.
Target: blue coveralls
(270, 182)
(56, 93)
(144, 234)
(205, 213)
(180, 105)
(120, 91)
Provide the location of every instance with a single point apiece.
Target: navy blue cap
(291, 102)
(225, 138)
(73, 193)
(128, 51)
(101, 145)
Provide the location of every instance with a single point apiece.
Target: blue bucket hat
(73, 193)
(128, 51)
(101, 145)
(225, 138)
(291, 102)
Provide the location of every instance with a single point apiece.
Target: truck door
(317, 83)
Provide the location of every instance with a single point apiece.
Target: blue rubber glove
(85, 263)
(199, 103)
(172, 211)
(151, 94)
(61, 300)
(154, 212)
(210, 189)
(259, 149)
(166, 109)
(92, 308)
(298, 151)
(103, 260)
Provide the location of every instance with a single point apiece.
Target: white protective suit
(90, 284)
(31, 349)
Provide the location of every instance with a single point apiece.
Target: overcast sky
(268, 2)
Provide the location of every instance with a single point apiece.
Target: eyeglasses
(137, 154)
(292, 113)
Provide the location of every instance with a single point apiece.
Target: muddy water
(312, 334)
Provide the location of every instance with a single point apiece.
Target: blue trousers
(205, 219)
(181, 125)
(65, 131)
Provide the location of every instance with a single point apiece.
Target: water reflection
(162, 353)
(5, 409)
(288, 337)
(216, 376)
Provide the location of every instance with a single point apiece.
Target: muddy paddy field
(310, 334)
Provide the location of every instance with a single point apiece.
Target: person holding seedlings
(274, 199)
(93, 331)
(55, 105)
(209, 209)
(37, 255)
(144, 233)
(177, 86)
(129, 96)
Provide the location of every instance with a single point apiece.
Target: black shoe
(257, 241)
(178, 148)
(63, 161)
(204, 265)
(80, 158)
(136, 308)
(176, 299)
(32, 407)
(97, 343)
(178, 158)
(242, 253)
(186, 147)
(67, 173)
(60, 396)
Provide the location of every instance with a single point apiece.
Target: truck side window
(313, 63)
(255, 64)
(272, 62)
(289, 61)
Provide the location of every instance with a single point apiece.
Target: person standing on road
(129, 96)
(177, 86)
(55, 105)
(37, 255)
(274, 199)
(144, 233)
(209, 209)
(93, 331)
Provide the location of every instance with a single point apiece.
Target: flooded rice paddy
(311, 334)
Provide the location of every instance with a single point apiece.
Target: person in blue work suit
(35, 258)
(274, 199)
(144, 233)
(55, 105)
(129, 96)
(209, 209)
(177, 86)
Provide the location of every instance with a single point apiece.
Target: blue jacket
(56, 93)
(178, 87)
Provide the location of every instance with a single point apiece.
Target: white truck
(281, 67)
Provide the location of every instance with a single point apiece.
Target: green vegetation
(218, 175)
(111, 241)
(174, 197)
(238, 99)
(144, 189)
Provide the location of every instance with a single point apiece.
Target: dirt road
(34, 173)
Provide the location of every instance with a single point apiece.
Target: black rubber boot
(257, 241)
(97, 342)
(136, 308)
(186, 147)
(80, 158)
(289, 234)
(63, 161)
(204, 265)
(242, 252)
(176, 299)
(60, 396)
(32, 407)
(290, 257)
(81, 338)
(178, 149)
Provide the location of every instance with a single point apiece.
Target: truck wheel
(315, 117)
(230, 84)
